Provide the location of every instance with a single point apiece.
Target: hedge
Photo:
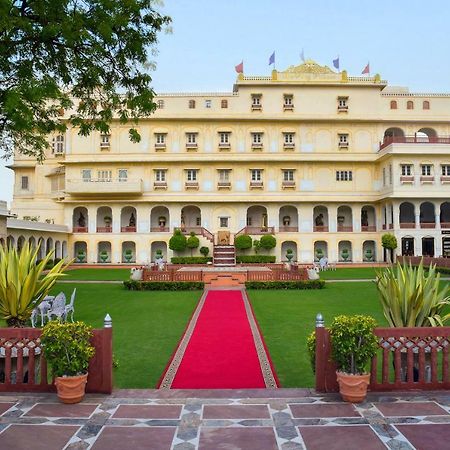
(248, 259)
(163, 285)
(191, 259)
(300, 285)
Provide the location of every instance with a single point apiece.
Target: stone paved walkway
(285, 419)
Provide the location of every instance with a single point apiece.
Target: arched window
(426, 104)
(393, 104)
(409, 104)
(191, 104)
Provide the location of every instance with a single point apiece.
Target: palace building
(324, 161)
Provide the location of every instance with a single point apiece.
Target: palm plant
(412, 298)
(23, 284)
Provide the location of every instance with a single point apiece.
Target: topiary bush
(178, 241)
(204, 251)
(243, 242)
(255, 259)
(267, 242)
(164, 285)
(287, 285)
(190, 259)
(192, 242)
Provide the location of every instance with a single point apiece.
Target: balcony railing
(256, 184)
(320, 228)
(160, 185)
(104, 229)
(445, 179)
(407, 225)
(191, 184)
(445, 224)
(388, 140)
(159, 229)
(427, 225)
(86, 187)
(288, 184)
(426, 179)
(407, 179)
(223, 184)
(369, 228)
(128, 229)
(288, 229)
(346, 228)
(79, 229)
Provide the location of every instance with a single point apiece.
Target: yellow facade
(322, 159)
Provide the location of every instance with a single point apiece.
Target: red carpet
(221, 351)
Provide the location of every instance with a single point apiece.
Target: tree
(243, 242)
(267, 242)
(389, 242)
(192, 242)
(73, 63)
(178, 241)
(204, 251)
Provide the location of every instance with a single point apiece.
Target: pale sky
(406, 41)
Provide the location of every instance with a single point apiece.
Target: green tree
(204, 251)
(73, 63)
(389, 242)
(243, 242)
(267, 242)
(178, 241)
(192, 242)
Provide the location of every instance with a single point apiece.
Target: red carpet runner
(222, 348)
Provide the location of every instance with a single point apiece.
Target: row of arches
(410, 104)
(427, 215)
(45, 245)
(422, 135)
(425, 245)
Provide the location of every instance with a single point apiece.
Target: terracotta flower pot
(71, 389)
(353, 388)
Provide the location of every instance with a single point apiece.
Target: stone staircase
(224, 256)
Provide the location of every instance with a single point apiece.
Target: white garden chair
(58, 308)
(70, 308)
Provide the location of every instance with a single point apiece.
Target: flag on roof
(302, 55)
(336, 63)
(366, 70)
(272, 59)
(240, 67)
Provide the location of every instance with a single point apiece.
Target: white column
(175, 216)
(417, 221)
(396, 213)
(92, 219)
(356, 217)
(332, 219)
(143, 219)
(305, 218)
(437, 246)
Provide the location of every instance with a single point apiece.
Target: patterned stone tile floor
(284, 419)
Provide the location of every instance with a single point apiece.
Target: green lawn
(350, 273)
(146, 326)
(287, 317)
(98, 274)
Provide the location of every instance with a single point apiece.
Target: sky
(406, 41)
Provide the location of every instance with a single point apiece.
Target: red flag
(366, 70)
(240, 67)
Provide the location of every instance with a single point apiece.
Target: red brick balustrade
(23, 367)
(408, 359)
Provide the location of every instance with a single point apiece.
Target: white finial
(107, 321)
(320, 323)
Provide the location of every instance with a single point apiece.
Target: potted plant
(67, 349)
(81, 256)
(108, 221)
(319, 253)
(128, 255)
(289, 254)
(345, 254)
(368, 254)
(158, 255)
(104, 256)
(353, 344)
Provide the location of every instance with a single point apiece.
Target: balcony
(160, 185)
(191, 184)
(256, 107)
(445, 225)
(427, 225)
(388, 140)
(110, 187)
(407, 179)
(288, 184)
(388, 226)
(287, 107)
(445, 179)
(427, 179)
(224, 147)
(257, 147)
(128, 229)
(159, 229)
(407, 225)
(345, 228)
(256, 185)
(223, 185)
(288, 146)
(191, 146)
(369, 228)
(160, 147)
(320, 228)
(342, 108)
(258, 230)
(343, 145)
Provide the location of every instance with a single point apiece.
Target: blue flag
(336, 63)
(272, 59)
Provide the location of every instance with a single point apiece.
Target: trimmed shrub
(192, 242)
(204, 251)
(178, 241)
(267, 242)
(243, 242)
(261, 259)
(191, 259)
(163, 285)
(298, 285)
(50, 264)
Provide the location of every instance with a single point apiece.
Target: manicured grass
(146, 326)
(287, 317)
(350, 273)
(98, 274)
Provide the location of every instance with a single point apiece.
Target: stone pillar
(175, 216)
(356, 217)
(143, 219)
(332, 218)
(92, 219)
(417, 221)
(437, 219)
(396, 214)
